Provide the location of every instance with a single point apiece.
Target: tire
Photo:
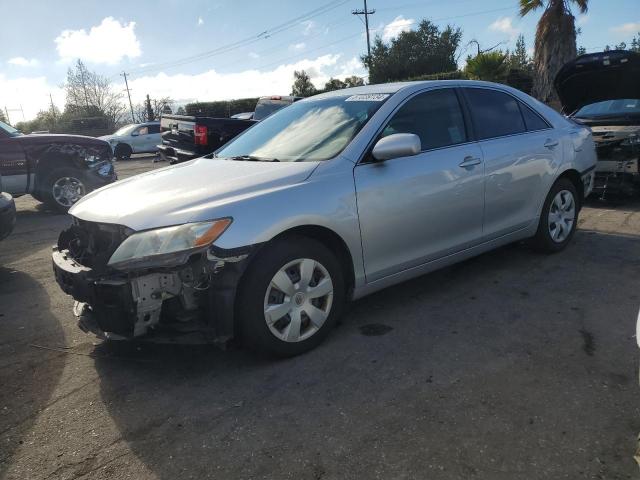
(554, 229)
(52, 191)
(122, 151)
(258, 294)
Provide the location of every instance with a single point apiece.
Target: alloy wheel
(67, 190)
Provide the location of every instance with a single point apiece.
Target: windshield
(126, 130)
(311, 130)
(9, 130)
(610, 108)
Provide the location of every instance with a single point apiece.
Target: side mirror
(396, 145)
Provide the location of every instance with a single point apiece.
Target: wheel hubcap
(67, 191)
(298, 300)
(562, 214)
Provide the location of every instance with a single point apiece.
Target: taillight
(200, 134)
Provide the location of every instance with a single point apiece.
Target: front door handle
(550, 143)
(470, 162)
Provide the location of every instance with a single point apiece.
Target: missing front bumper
(196, 297)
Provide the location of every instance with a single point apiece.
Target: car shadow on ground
(497, 367)
(29, 375)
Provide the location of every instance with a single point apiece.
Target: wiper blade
(253, 158)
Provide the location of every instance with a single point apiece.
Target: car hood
(186, 192)
(598, 77)
(614, 133)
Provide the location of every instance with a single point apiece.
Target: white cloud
(582, 19)
(32, 93)
(308, 27)
(29, 93)
(297, 47)
(200, 21)
(504, 25)
(212, 85)
(397, 26)
(254, 55)
(627, 28)
(108, 42)
(23, 62)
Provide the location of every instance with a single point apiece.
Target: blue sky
(42, 38)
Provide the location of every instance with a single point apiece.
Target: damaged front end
(167, 283)
(618, 166)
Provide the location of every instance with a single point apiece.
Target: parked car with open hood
(332, 198)
(186, 137)
(602, 91)
(135, 138)
(55, 169)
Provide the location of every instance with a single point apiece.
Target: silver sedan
(330, 199)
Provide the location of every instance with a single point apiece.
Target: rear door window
(435, 116)
(495, 114)
(154, 128)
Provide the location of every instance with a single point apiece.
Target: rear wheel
(559, 217)
(62, 188)
(123, 151)
(291, 297)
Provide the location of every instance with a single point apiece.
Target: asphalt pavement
(512, 365)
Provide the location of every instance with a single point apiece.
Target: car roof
(395, 87)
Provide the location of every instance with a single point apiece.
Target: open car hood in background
(597, 77)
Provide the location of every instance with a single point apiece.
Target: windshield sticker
(368, 97)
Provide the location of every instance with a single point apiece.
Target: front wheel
(559, 217)
(122, 151)
(291, 297)
(63, 188)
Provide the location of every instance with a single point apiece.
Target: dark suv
(55, 169)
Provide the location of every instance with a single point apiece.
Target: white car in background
(135, 138)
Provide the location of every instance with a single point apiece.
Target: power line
(246, 41)
(366, 12)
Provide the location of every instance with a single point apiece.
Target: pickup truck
(7, 213)
(186, 137)
(55, 169)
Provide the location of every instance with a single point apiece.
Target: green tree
(582, 51)
(489, 66)
(334, 84)
(519, 59)
(354, 81)
(635, 43)
(302, 86)
(3, 118)
(555, 41)
(424, 51)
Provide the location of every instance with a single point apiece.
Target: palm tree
(489, 66)
(555, 41)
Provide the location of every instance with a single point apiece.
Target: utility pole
(133, 118)
(366, 12)
(53, 108)
(6, 111)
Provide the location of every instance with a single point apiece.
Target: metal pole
(124, 74)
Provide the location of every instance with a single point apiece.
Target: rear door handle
(551, 143)
(470, 162)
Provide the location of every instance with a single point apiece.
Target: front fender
(327, 199)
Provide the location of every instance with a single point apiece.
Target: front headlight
(167, 246)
